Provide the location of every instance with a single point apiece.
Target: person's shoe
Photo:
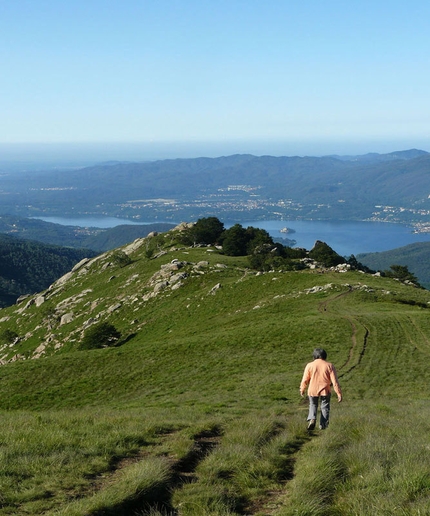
(323, 426)
(311, 424)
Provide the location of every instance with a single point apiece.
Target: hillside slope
(415, 256)
(27, 267)
(167, 295)
(195, 409)
(97, 239)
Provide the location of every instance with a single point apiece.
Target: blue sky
(252, 75)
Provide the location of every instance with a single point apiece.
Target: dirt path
(272, 501)
(183, 471)
(159, 502)
(324, 307)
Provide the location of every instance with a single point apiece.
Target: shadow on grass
(159, 499)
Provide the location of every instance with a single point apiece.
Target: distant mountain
(391, 187)
(374, 157)
(27, 267)
(415, 256)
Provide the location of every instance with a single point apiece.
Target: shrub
(100, 336)
(8, 336)
(120, 258)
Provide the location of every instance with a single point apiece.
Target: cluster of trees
(264, 254)
(255, 243)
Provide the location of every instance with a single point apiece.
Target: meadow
(198, 413)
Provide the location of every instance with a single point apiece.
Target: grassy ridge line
(210, 356)
(211, 353)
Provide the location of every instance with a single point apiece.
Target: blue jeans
(325, 409)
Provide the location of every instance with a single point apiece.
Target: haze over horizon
(152, 80)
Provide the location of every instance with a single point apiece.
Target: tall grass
(253, 459)
(372, 460)
(50, 458)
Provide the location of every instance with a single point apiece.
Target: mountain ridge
(150, 268)
(265, 186)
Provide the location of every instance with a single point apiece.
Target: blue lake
(345, 238)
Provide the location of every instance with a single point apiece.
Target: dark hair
(319, 353)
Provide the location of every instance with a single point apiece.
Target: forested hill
(414, 256)
(27, 267)
(97, 239)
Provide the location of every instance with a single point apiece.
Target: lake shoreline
(345, 237)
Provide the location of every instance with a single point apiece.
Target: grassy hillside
(414, 256)
(196, 410)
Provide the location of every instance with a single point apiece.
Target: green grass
(198, 413)
(370, 462)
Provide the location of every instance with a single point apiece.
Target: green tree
(206, 230)
(120, 258)
(355, 264)
(100, 335)
(402, 273)
(324, 254)
(235, 240)
(257, 238)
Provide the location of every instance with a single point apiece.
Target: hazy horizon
(193, 78)
(57, 154)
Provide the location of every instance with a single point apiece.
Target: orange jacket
(320, 374)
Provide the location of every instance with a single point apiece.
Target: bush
(8, 336)
(120, 258)
(100, 336)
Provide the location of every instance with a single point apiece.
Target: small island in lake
(287, 230)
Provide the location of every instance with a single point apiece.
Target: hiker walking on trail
(318, 376)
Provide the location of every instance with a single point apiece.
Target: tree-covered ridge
(262, 251)
(27, 267)
(414, 256)
(98, 239)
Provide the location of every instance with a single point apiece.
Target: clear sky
(336, 75)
